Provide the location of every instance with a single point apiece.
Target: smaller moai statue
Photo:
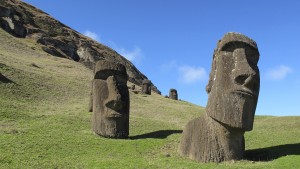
(110, 100)
(133, 87)
(173, 94)
(90, 107)
(146, 87)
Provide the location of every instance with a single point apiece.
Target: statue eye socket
(104, 74)
(250, 50)
(231, 46)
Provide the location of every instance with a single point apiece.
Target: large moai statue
(146, 87)
(110, 100)
(173, 94)
(233, 90)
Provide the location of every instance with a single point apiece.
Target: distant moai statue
(90, 107)
(110, 100)
(133, 87)
(173, 94)
(146, 87)
(233, 90)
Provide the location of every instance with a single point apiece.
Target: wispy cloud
(92, 35)
(135, 55)
(189, 74)
(130, 54)
(186, 74)
(279, 72)
(169, 66)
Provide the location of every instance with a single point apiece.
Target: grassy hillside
(44, 122)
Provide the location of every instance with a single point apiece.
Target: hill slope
(44, 122)
(25, 21)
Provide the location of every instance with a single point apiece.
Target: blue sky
(172, 41)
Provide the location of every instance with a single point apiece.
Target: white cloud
(134, 55)
(92, 35)
(169, 66)
(279, 72)
(189, 74)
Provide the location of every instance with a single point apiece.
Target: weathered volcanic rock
(173, 94)
(146, 87)
(233, 90)
(110, 100)
(25, 21)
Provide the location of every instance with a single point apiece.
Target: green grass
(44, 122)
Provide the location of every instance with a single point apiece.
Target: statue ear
(211, 75)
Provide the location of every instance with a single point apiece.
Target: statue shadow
(4, 79)
(160, 134)
(272, 153)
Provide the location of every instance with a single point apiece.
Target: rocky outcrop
(25, 21)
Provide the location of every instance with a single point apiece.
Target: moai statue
(133, 87)
(146, 87)
(233, 90)
(110, 100)
(173, 94)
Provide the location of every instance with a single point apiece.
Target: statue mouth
(110, 113)
(245, 92)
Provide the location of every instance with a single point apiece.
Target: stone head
(234, 82)
(173, 94)
(133, 87)
(110, 99)
(146, 86)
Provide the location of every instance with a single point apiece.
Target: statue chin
(239, 112)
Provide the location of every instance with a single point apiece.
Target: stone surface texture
(110, 100)
(233, 88)
(146, 87)
(25, 21)
(173, 94)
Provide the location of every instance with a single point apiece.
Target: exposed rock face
(233, 90)
(173, 94)
(25, 21)
(110, 100)
(146, 87)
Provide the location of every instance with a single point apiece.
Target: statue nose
(250, 81)
(114, 100)
(114, 104)
(244, 73)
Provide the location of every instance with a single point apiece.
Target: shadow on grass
(160, 134)
(4, 79)
(271, 153)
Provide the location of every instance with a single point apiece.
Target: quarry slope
(25, 21)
